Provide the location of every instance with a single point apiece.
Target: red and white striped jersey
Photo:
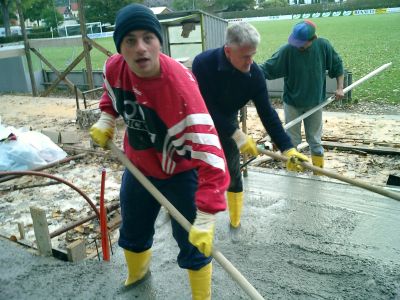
(169, 129)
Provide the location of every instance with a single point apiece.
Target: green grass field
(364, 42)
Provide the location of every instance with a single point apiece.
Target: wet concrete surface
(301, 238)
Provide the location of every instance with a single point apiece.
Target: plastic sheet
(29, 150)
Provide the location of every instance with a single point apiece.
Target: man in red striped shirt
(171, 139)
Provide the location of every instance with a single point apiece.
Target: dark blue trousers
(232, 156)
(139, 211)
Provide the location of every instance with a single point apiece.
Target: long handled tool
(232, 271)
(330, 99)
(359, 183)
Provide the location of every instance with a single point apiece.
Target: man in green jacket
(303, 63)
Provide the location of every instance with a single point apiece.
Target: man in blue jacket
(228, 79)
(303, 63)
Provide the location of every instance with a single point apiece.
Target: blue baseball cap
(302, 33)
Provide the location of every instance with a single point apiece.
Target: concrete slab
(53, 135)
(301, 239)
(69, 137)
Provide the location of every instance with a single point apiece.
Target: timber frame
(88, 45)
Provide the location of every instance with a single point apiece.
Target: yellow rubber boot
(200, 282)
(138, 265)
(317, 161)
(235, 205)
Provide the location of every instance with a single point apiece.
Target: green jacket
(304, 72)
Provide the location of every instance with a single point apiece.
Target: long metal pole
(330, 99)
(232, 271)
(359, 183)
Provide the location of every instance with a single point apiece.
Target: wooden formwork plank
(21, 230)
(76, 251)
(41, 231)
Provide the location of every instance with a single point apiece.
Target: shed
(160, 10)
(188, 33)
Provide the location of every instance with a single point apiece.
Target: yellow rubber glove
(294, 159)
(245, 143)
(103, 129)
(201, 233)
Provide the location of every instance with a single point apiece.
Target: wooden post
(86, 45)
(21, 230)
(26, 47)
(41, 231)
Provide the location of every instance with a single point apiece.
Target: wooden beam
(56, 42)
(22, 187)
(361, 140)
(50, 165)
(98, 47)
(374, 150)
(62, 76)
(67, 81)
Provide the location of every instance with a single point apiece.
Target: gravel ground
(59, 114)
(356, 271)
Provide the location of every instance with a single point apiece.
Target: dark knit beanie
(135, 17)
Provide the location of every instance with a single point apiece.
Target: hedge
(310, 8)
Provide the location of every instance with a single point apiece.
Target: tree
(183, 4)
(38, 10)
(104, 11)
(274, 3)
(236, 5)
(52, 17)
(34, 11)
(5, 12)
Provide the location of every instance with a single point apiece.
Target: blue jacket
(226, 90)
